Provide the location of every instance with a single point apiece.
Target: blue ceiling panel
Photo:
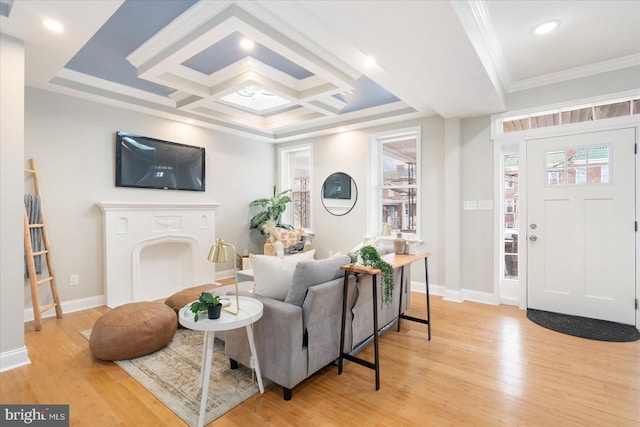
(227, 51)
(134, 23)
(366, 94)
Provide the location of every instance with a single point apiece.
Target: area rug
(172, 374)
(584, 327)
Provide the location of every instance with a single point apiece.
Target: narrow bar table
(396, 261)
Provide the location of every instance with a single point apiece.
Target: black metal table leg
(401, 293)
(426, 278)
(344, 318)
(376, 332)
(426, 321)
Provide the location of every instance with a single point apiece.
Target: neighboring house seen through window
(295, 174)
(395, 170)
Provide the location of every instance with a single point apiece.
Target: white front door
(581, 225)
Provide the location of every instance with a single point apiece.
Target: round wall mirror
(339, 194)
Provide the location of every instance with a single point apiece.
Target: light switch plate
(485, 205)
(470, 205)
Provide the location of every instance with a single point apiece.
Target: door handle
(533, 237)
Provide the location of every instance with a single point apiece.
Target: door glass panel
(598, 165)
(578, 166)
(511, 214)
(556, 163)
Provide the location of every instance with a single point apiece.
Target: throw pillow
(311, 273)
(272, 275)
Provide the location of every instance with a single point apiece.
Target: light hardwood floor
(485, 366)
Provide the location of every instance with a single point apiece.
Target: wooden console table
(396, 261)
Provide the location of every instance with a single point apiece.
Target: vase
(269, 249)
(399, 244)
(279, 248)
(213, 311)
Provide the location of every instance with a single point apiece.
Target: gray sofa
(300, 335)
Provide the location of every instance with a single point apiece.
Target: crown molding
(576, 73)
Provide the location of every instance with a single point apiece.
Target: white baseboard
(69, 307)
(434, 289)
(481, 297)
(14, 359)
(510, 301)
(456, 295)
(453, 295)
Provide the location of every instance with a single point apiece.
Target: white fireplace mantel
(156, 206)
(154, 249)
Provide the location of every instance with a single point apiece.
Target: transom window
(573, 114)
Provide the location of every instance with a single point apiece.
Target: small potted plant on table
(209, 303)
(371, 258)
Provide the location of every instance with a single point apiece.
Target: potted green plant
(371, 258)
(273, 209)
(209, 303)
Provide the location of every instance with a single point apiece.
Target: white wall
(73, 142)
(12, 350)
(477, 225)
(584, 87)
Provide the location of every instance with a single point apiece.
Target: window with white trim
(295, 175)
(395, 172)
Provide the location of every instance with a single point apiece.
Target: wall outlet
(74, 279)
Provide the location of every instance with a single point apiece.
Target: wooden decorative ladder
(30, 254)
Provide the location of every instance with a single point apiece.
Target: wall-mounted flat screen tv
(144, 162)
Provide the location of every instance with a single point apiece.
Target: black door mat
(584, 327)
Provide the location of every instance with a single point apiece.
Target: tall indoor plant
(273, 209)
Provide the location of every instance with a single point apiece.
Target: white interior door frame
(517, 142)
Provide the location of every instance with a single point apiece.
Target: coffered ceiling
(309, 69)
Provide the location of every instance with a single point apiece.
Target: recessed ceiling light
(190, 121)
(546, 27)
(369, 61)
(53, 26)
(247, 44)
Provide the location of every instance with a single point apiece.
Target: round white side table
(250, 312)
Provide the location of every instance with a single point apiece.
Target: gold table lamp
(218, 254)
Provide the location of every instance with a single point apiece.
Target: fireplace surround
(152, 250)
